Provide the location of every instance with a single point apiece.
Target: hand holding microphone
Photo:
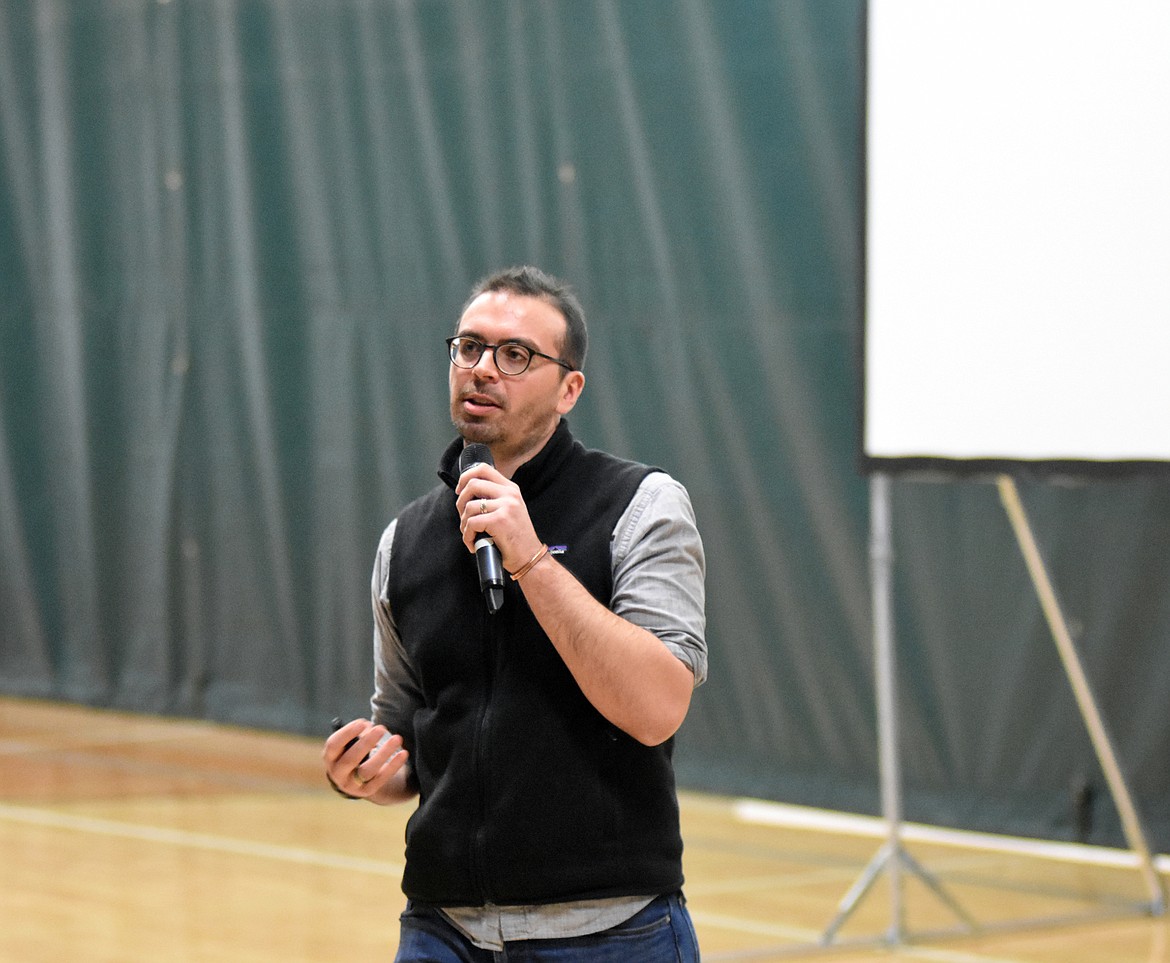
(487, 556)
(495, 523)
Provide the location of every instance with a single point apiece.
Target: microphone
(487, 556)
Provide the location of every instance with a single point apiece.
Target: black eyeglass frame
(453, 350)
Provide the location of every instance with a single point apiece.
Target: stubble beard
(477, 431)
(524, 438)
(474, 430)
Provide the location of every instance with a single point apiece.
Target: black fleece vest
(527, 793)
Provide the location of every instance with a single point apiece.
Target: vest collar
(533, 476)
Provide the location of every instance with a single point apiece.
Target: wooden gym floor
(127, 838)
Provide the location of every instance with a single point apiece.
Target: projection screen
(1017, 233)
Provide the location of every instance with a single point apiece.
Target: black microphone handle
(487, 557)
(491, 572)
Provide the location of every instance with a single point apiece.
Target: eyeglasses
(511, 357)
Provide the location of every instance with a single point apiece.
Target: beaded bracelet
(521, 572)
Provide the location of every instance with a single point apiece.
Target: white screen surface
(1018, 230)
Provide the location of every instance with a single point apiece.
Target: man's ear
(572, 385)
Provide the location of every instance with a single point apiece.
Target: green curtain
(233, 234)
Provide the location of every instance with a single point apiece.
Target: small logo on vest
(557, 549)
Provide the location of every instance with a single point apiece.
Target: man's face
(514, 415)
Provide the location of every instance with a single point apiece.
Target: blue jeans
(660, 933)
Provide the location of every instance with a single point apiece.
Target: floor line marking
(766, 813)
(205, 841)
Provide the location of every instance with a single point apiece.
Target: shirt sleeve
(659, 568)
(396, 690)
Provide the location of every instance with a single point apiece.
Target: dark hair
(534, 283)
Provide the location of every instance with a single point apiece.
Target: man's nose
(486, 363)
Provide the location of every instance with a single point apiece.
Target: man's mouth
(476, 402)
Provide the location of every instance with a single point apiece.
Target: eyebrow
(523, 342)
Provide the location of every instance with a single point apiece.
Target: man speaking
(533, 713)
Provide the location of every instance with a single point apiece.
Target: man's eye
(514, 353)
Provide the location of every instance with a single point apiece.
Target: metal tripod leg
(892, 858)
(932, 883)
(857, 891)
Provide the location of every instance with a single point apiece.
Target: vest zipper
(479, 854)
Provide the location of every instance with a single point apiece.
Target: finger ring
(357, 777)
(482, 505)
